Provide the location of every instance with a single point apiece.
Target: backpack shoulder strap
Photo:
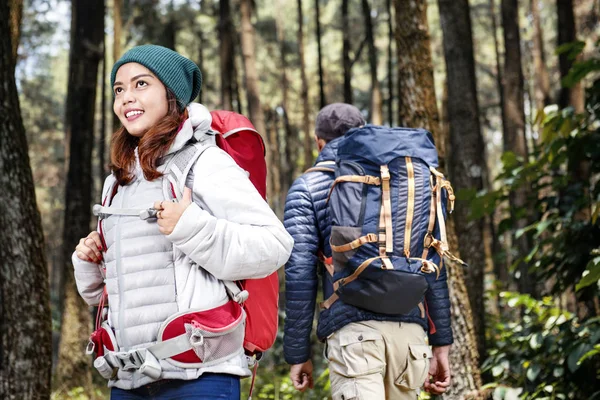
(180, 164)
(324, 166)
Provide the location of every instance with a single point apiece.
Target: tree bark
(347, 64)
(323, 101)
(87, 30)
(25, 328)
(416, 91)
(308, 137)
(226, 54)
(291, 154)
(466, 158)
(169, 35)
(514, 128)
(390, 100)
(566, 34)
(102, 164)
(419, 109)
(202, 44)
(376, 114)
(252, 90)
(117, 49)
(14, 22)
(541, 76)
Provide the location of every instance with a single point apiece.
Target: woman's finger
(91, 244)
(95, 236)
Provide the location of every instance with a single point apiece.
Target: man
(371, 356)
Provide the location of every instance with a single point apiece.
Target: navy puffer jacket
(307, 220)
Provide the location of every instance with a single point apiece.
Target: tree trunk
(416, 91)
(202, 41)
(514, 128)
(566, 34)
(308, 137)
(226, 54)
(541, 76)
(117, 49)
(102, 164)
(87, 30)
(252, 90)
(419, 109)
(376, 115)
(390, 100)
(500, 268)
(323, 101)
(579, 170)
(25, 330)
(275, 172)
(169, 35)
(346, 53)
(14, 23)
(466, 158)
(291, 154)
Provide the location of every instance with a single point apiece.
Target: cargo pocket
(360, 352)
(417, 367)
(347, 391)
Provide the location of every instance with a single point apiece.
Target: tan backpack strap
(368, 238)
(428, 241)
(410, 208)
(387, 208)
(329, 302)
(368, 179)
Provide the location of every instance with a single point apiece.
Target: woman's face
(140, 98)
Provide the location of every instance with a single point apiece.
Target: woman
(171, 267)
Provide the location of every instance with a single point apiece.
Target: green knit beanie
(176, 72)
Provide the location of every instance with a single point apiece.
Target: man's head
(334, 120)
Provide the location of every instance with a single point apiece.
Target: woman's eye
(141, 84)
(118, 90)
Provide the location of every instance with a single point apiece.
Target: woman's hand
(169, 212)
(90, 248)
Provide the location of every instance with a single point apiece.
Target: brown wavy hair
(151, 146)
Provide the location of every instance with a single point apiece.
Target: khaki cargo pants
(373, 360)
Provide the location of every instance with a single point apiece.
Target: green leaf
(536, 341)
(558, 372)
(580, 70)
(591, 275)
(497, 370)
(571, 49)
(533, 372)
(596, 213)
(575, 356)
(589, 354)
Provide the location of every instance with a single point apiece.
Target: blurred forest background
(510, 90)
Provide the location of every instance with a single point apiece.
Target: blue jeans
(207, 387)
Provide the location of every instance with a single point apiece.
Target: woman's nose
(128, 97)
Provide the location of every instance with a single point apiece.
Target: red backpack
(238, 138)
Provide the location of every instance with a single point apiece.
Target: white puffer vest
(151, 277)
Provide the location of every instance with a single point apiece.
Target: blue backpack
(387, 207)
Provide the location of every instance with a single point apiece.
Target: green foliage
(549, 353)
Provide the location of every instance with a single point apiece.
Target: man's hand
(301, 375)
(169, 212)
(439, 371)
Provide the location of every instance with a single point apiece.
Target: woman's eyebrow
(134, 78)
